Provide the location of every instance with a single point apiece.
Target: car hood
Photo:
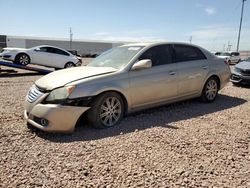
(15, 49)
(245, 65)
(62, 77)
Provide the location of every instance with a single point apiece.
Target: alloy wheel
(110, 112)
(69, 65)
(211, 89)
(24, 59)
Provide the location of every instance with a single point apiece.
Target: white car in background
(230, 57)
(45, 55)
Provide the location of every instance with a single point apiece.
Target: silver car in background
(123, 80)
(241, 73)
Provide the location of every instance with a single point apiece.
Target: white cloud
(210, 10)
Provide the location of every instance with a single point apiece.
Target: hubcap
(110, 112)
(24, 60)
(211, 90)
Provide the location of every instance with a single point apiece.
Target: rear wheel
(106, 110)
(69, 65)
(210, 90)
(22, 59)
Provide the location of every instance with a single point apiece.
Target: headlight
(237, 70)
(60, 94)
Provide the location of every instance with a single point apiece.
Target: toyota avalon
(123, 80)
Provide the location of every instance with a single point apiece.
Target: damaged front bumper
(53, 117)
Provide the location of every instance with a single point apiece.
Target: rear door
(155, 84)
(192, 66)
(60, 58)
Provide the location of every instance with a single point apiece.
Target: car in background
(45, 55)
(75, 53)
(123, 80)
(230, 57)
(241, 73)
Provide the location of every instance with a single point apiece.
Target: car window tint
(50, 50)
(43, 49)
(187, 53)
(60, 52)
(235, 53)
(159, 55)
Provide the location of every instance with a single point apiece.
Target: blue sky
(211, 23)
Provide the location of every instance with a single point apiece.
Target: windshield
(117, 57)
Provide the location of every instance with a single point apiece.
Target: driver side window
(159, 55)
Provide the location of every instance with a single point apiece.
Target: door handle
(205, 67)
(172, 73)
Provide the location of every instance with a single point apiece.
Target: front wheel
(106, 110)
(22, 59)
(210, 90)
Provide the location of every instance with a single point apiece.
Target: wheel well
(68, 62)
(122, 96)
(217, 78)
(21, 54)
(83, 117)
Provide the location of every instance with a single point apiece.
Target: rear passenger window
(235, 54)
(159, 55)
(187, 53)
(60, 52)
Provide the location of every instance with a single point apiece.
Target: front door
(155, 84)
(43, 56)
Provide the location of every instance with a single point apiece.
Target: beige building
(82, 46)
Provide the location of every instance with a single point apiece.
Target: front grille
(245, 72)
(33, 94)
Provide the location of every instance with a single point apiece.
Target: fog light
(44, 122)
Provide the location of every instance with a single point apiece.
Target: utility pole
(242, 10)
(70, 38)
(190, 39)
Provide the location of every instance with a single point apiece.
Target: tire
(229, 62)
(106, 110)
(69, 65)
(210, 90)
(22, 59)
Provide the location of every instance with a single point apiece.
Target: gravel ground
(188, 144)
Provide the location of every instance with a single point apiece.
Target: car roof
(49, 46)
(148, 44)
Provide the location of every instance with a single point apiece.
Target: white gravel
(188, 144)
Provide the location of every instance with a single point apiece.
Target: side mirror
(142, 64)
(37, 50)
